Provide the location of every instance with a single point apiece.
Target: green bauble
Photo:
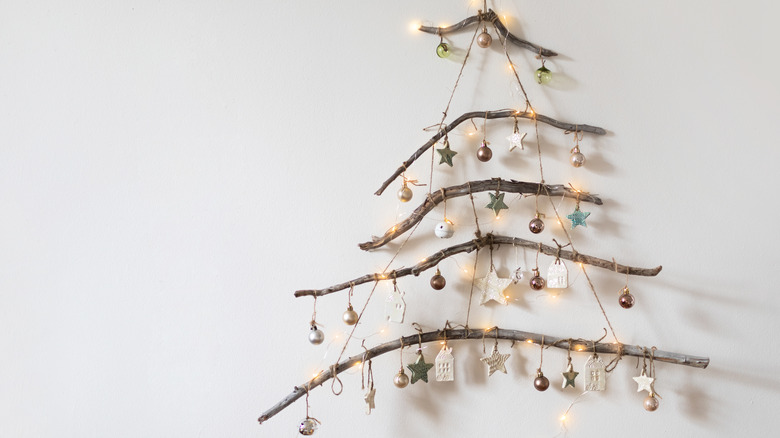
(443, 50)
(543, 75)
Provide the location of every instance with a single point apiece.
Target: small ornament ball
(484, 154)
(577, 159)
(443, 50)
(626, 300)
(405, 194)
(316, 336)
(438, 281)
(541, 383)
(543, 75)
(401, 379)
(350, 317)
(651, 403)
(537, 282)
(484, 39)
(536, 225)
(308, 427)
(444, 229)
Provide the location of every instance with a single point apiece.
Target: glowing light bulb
(530, 341)
(415, 26)
(563, 417)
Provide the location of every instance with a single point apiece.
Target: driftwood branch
(502, 114)
(478, 334)
(492, 17)
(467, 247)
(509, 186)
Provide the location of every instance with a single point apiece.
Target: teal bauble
(443, 50)
(543, 75)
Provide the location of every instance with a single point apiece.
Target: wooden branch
(502, 114)
(467, 247)
(478, 334)
(489, 16)
(509, 186)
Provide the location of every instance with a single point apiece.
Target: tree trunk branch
(502, 114)
(509, 186)
(489, 16)
(468, 247)
(478, 334)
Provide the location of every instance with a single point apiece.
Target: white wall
(170, 172)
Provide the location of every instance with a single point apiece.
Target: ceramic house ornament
(557, 275)
(595, 374)
(444, 365)
(395, 306)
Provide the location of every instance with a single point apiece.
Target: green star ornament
(569, 376)
(497, 203)
(446, 154)
(419, 368)
(578, 217)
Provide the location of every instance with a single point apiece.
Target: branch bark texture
(467, 247)
(478, 334)
(503, 185)
(502, 114)
(490, 16)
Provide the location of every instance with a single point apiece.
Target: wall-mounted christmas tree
(490, 288)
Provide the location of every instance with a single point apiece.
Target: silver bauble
(316, 336)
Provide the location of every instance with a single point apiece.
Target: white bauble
(444, 230)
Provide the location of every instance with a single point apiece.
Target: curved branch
(502, 114)
(467, 247)
(478, 334)
(489, 16)
(509, 186)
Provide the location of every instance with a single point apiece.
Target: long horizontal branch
(509, 186)
(502, 114)
(470, 246)
(489, 16)
(478, 334)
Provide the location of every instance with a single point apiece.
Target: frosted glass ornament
(557, 275)
(444, 365)
(595, 374)
(395, 307)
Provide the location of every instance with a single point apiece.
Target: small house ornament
(444, 365)
(395, 306)
(595, 374)
(557, 275)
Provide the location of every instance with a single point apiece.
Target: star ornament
(515, 140)
(569, 376)
(497, 203)
(495, 361)
(369, 399)
(493, 288)
(419, 369)
(644, 383)
(578, 217)
(446, 154)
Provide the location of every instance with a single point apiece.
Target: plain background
(170, 172)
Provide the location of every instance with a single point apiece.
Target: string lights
(492, 287)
